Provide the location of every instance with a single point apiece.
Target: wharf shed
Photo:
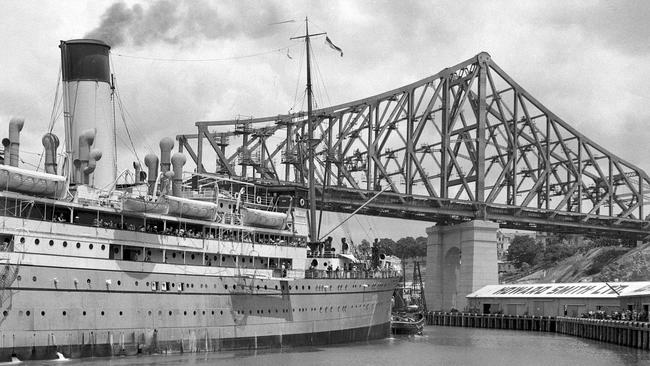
(560, 299)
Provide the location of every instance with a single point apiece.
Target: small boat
(141, 204)
(261, 218)
(185, 207)
(405, 322)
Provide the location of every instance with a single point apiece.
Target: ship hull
(106, 312)
(190, 340)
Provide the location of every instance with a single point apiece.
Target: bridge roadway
(453, 211)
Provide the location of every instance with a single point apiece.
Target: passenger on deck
(344, 246)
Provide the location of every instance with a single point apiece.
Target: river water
(437, 346)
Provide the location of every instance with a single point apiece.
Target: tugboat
(408, 315)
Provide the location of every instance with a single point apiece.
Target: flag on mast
(333, 46)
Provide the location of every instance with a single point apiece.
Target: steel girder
(468, 134)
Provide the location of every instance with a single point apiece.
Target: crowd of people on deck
(196, 233)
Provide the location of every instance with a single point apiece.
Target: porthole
(121, 313)
(303, 287)
(51, 242)
(90, 246)
(221, 204)
(220, 312)
(149, 312)
(22, 240)
(119, 283)
(185, 313)
(258, 287)
(289, 287)
(64, 313)
(192, 256)
(42, 313)
(225, 286)
(170, 313)
(203, 312)
(212, 312)
(27, 313)
(65, 244)
(194, 312)
(103, 247)
(102, 312)
(215, 258)
(159, 312)
(308, 287)
(148, 252)
(250, 260)
(234, 287)
(36, 241)
(116, 250)
(223, 259)
(34, 278)
(147, 284)
(136, 283)
(84, 313)
(88, 281)
(173, 284)
(5, 313)
(265, 287)
(173, 255)
(78, 245)
(192, 286)
(276, 287)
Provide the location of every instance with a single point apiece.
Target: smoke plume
(175, 22)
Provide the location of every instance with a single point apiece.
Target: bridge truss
(466, 143)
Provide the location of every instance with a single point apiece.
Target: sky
(587, 61)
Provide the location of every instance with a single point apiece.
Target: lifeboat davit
(30, 182)
(185, 207)
(261, 218)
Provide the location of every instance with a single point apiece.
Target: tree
(523, 249)
(361, 251)
(386, 246)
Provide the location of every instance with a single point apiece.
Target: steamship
(161, 264)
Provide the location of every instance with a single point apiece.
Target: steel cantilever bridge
(466, 143)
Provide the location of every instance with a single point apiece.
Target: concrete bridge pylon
(461, 259)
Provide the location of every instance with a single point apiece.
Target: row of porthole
(241, 312)
(188, 285)
(65, 244)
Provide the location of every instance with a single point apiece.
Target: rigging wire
(162, 59)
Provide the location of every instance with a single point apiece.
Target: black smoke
(175, 22)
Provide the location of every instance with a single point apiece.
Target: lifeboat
(261, 218)
(185, 207)
(30, 182)
(141, 204)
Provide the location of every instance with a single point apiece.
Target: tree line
(407, 247)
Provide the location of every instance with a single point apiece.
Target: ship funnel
(50, 143)
(86, 140)
(178, 160)
(166, 146)
(151, 162)
(15, 126)
(87, 80)
(138, 170)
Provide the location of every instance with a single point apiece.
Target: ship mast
(311, 143)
